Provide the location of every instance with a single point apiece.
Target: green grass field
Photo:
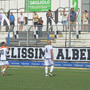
(33, 78)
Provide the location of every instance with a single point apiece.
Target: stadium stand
(32, 40)
(59, 40)
(82, 41)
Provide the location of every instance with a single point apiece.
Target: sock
(46, 70)
(51, 69)
(4, 70)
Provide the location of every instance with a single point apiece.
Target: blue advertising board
(57, 64)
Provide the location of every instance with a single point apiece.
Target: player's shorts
(4, 63)
(48, 62)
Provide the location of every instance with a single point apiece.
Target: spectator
(73, 19)
(12, 20)
(49, 19)
(0, 20)
(35, 19)
(85, 20)
(64, 19)
(40, 25)
(21, 20)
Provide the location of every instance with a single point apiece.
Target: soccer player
(49, 58)
(4, 50)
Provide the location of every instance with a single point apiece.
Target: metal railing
(28, 35)
(9, 28)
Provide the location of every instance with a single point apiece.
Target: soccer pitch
(33, 78)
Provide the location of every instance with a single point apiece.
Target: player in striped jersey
(4, 50)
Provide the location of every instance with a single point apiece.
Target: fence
(8, 28)
(28, 36)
